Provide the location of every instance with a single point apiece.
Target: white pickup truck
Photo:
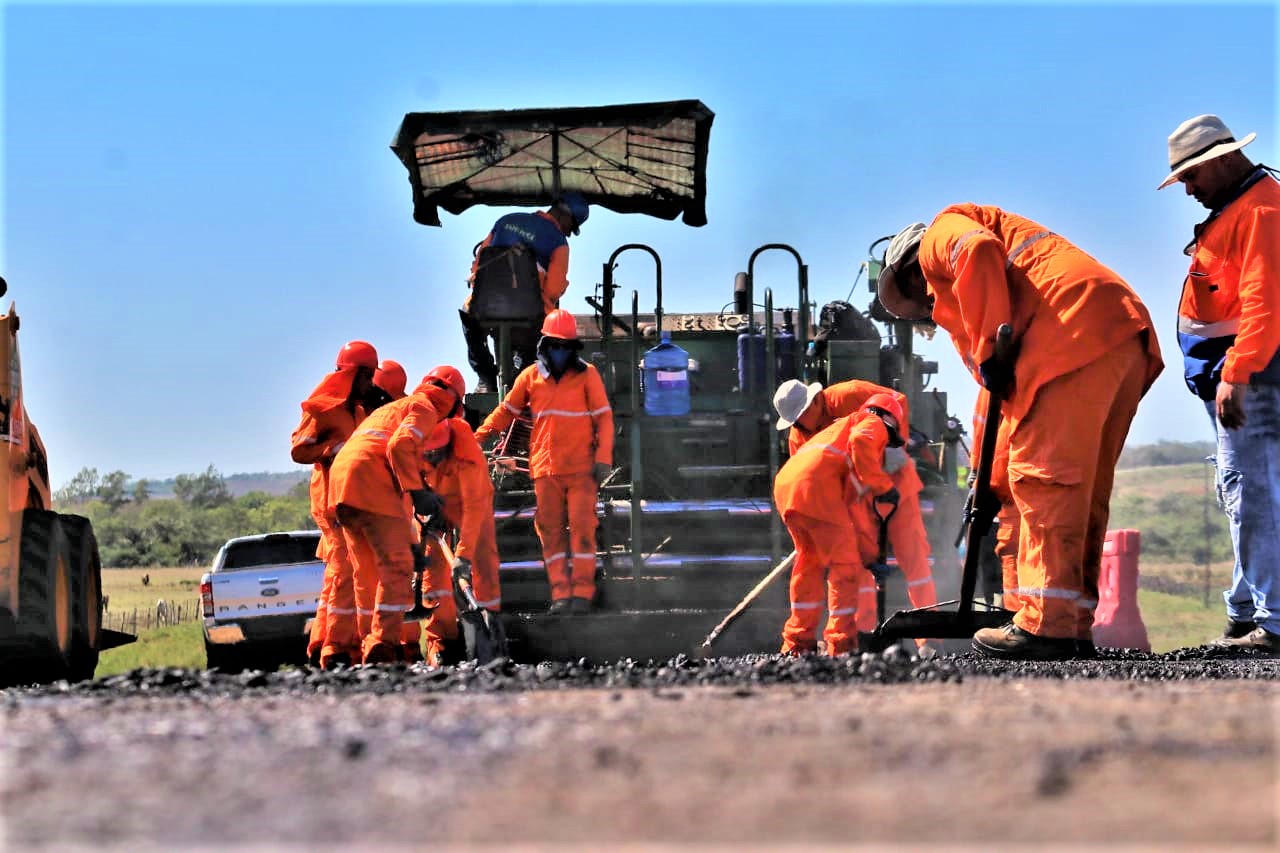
(259, 598)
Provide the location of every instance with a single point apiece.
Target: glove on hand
(601, 472)
(461, 569)
(426, 503)
(889, 497)
(997, 376)
(894, 459)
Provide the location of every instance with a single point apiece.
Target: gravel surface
(761, 750)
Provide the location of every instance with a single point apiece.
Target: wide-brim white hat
(792, 398)
(902, 249)
(1198, 140)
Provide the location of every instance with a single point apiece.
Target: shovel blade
(939, 624)
(418, 613)
(483, 635)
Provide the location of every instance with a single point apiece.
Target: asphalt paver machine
(687, 524)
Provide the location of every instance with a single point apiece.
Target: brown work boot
(1010, 642)
(381, 653)
(1234, 631)
(1258, 640)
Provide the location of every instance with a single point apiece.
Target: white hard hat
(792, 398)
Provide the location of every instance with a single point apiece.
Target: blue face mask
(559, 358)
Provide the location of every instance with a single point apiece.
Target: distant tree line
(133, 530)
(1166, 453)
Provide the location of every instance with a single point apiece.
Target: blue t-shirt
(534, 230)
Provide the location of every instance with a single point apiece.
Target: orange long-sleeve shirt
(985, 267)
(383, 458)
(327, 422)
(462, 481)
(572, 419)
(834, 470)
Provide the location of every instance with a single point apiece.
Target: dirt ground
(985, 762)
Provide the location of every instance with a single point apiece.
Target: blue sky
(200, 205)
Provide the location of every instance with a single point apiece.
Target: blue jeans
(1249, 491)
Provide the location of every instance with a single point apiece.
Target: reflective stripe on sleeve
(376, 433)
(961, 240)
(1026, 244)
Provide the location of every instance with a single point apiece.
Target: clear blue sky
(200, 205)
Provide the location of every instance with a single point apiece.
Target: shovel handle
(751, 596)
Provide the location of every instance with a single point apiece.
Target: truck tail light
(206, 598)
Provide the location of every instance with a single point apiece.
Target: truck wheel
(223, 659)
(46, 614)
(86, 584)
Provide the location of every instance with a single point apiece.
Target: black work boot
(1234, 631)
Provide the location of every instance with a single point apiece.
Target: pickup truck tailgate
(269, 591)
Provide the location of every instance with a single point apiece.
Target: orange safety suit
(461, 479)
(572, 432)
(1086, 352)
(328, 419)
(379, 464)
(822, 495)
(907, 533)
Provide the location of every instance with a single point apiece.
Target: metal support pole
(637, 466)
(771, 380)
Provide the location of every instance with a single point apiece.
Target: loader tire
(86, 584)
(45, 605)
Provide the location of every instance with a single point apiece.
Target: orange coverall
(328, 419)
(906, 529)
(572, 431)
(1086, 352)
(821, 494)
(367, 485)
(462, 480)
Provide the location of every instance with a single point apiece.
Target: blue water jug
(750, 361)
(666, 379)
(785, 349)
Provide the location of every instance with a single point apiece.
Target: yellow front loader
(50, 575)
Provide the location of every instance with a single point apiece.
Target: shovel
(419, 611)
(881, 569)
(930, 622)
(482, 629)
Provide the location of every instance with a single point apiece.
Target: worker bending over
(330, 414)
(1086, 352)
(378, 466)
(458, 472)
(570, 451)
(809, 409)
(823, 494)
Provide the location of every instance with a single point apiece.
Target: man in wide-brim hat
(1229, 339)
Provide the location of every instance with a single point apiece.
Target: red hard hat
(439, 437)
(886, 403)
(450, 376)
(390, 377)
(560, 324)
(358, 354)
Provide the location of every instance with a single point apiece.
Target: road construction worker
(329, 415)
(570, 452)
(1084, 353)
(809, 409)
(1231, 356)
(458, 472)
(822, 494)
(376, 468)
(544, 233)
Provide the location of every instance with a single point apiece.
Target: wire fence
(163, 614)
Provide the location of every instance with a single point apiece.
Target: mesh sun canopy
(629, 158)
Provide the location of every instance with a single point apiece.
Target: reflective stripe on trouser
(566, 525)
(437, 592)
(910, 543)
(1249, 490)
(826, 571)
(380, 546)
(334, 553)
(1062, 459)
(484, 565)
